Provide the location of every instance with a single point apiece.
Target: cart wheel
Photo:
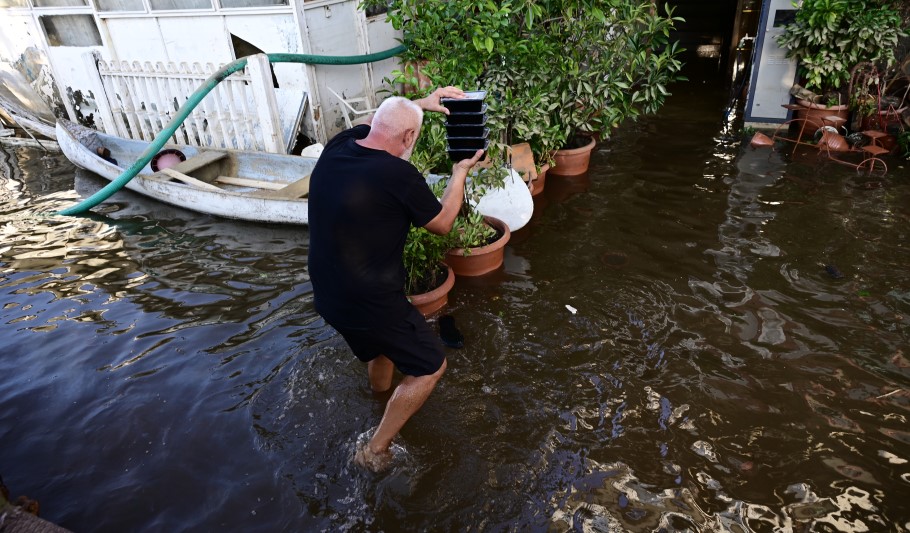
(872, 166)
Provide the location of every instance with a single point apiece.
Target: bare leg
(380, 371)
(407, 399)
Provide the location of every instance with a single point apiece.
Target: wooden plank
(196, 162)
(266, 103)
(247, 182)
(189, 180)
(102, 100)
(297, 189)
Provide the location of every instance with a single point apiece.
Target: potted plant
(477, 241)
(617, 62)
(480, 244)
(878, 99)
(428, 279)
(828, 38)
(492, 46)
(524, 90)
(557, 72)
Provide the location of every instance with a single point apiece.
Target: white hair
(397, 115)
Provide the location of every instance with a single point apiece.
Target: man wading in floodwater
(364, 196)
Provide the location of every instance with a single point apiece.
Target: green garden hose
(197, 97)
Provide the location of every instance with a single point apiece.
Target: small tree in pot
(425, 270)
(617, 64)
(828, 38)
(554, 70)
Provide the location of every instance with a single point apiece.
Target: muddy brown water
(165, 371)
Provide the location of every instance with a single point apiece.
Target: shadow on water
(666, 346)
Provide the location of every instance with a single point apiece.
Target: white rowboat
(252, 186)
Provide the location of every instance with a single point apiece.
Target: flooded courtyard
(738, 358)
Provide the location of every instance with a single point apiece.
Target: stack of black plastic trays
(466, 125)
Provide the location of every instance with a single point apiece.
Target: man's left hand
(432, 103)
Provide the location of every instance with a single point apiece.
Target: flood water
(165, 371)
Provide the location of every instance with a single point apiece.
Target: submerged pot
(431, 302)
(574, 161)
(479, 261)
(537, 185)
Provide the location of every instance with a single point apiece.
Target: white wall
(326, 27)
(338, 27)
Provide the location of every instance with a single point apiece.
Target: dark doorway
(711, 33)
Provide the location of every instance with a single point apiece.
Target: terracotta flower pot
(574, 161)
(816, 115)
(479, 261)
(537, 185)
(430, 302)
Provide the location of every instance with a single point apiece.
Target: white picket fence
(241, 112)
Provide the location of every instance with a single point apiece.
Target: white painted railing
(240, 113)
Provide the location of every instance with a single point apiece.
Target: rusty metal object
(831, 143)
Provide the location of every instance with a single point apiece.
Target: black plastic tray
(456, 154)
(471, 103)
(466, 130)
(468, 143)
(478, 117)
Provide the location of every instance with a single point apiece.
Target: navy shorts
(410, 344)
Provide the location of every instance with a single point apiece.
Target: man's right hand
(453, 196)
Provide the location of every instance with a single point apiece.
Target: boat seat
(203, 158)
(247, 182)
(291, 191)
(189, 180)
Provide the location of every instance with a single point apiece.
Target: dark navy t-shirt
(362, 203)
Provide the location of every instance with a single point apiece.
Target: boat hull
(236, 202)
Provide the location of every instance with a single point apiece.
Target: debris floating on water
(571, 309)
(834, 272)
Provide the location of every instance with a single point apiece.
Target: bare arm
(453, 196)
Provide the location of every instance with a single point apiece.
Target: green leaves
(471, 231)
(424, 251)
(829, 37)
(551, 67)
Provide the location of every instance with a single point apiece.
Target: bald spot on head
(395, 116)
